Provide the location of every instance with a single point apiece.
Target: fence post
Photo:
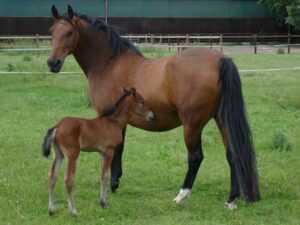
(169, 44)
(289, 43)
(221, 42)
(255, 43)
(178, 49)
(152, 39)
(187, 40)
(37, 40)
(210, 40)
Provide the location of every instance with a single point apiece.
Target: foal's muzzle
(54, 65)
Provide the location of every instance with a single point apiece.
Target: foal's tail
(232, 115)
(48, 140)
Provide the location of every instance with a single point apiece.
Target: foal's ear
(70, 12)
(125, 90)
(133, 91)
(55, 12)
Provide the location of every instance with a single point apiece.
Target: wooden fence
(180, 42)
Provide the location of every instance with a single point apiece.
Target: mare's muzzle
(54, 65)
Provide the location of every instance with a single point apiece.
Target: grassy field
(154, 163)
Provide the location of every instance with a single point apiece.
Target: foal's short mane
(113, 108)
(117, 43)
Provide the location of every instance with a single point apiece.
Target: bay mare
(187, 89)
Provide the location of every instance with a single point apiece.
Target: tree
(286, 11)
(293, 17)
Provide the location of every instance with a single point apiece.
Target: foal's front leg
(107, 157)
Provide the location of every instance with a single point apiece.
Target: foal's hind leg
(192, 137)
(234, 186)
(52, 177)
(69, 180)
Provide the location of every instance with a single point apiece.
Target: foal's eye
(69, 34)
(141, 104)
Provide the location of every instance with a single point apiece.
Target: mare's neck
(93, 51)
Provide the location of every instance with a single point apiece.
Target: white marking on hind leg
(183, 194)
(231, 205)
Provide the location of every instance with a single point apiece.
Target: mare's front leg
(116, 165)
(107, 157)
(192, 137)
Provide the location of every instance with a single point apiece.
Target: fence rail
(179, 42)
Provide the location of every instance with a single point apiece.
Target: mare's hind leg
(192, 137)
(234, 184)
(116, 166)
(69, 180)
(52, 177)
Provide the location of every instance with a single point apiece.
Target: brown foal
(102, 134)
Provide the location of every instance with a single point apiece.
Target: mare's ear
(70, 12)
(55, 12)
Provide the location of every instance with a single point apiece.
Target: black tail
(48, 140)
(232, 115)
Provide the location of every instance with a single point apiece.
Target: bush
(280, 143)
(280, 51)
(27, 58)
(10, 67)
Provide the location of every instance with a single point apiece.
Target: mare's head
(136, 104)
(65, 38)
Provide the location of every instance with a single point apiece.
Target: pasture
(154, 164)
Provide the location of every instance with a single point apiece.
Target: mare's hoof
(114, 185)
(183, 194)
(231, 205)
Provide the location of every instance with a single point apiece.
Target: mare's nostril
(57, 62)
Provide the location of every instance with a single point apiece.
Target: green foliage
(293, 17)
(286, 11)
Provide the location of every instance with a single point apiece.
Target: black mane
(117, 43)
(113, 108)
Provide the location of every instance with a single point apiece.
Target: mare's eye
(141, 104)
(69, 34)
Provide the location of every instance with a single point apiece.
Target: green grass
(154, 163)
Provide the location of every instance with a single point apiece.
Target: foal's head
(134, 104)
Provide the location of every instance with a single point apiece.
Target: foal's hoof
(114, 185)
(51, 211)
(103, 204)
(73, 213)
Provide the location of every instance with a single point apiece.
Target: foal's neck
(122, 113)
